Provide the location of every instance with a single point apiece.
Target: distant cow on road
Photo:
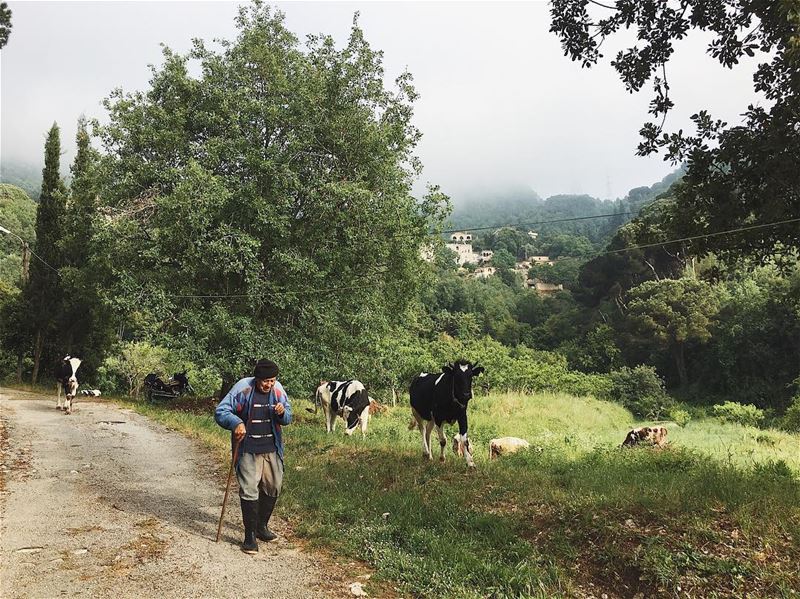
(68, 382)
(440, 398)
(348, 399)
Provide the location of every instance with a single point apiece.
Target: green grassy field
(717, 513)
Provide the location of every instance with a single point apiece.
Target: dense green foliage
(746, 414)
(17, 214)
(641, 391)
(265, 206)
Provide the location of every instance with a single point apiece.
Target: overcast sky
(500, 105)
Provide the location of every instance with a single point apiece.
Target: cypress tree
(85, 321)
(43, 291)
(81, 201)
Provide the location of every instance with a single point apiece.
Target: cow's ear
(477, 371)
(447, 368)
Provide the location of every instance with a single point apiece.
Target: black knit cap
(265, 369)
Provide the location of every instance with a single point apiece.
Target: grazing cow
(436, 399)
(655, 435)
(68, 382)
(348, 399)
(506, 445)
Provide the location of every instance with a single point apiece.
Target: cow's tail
(317, 401)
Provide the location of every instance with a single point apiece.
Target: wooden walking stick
(234, 457)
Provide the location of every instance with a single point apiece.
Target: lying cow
(506, 445)
(437, 399)
(68, 382)
(348, 399)
(654, 435)
(91, 392)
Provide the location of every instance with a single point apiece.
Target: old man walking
(255, 409)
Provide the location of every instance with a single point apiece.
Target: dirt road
(105, 503)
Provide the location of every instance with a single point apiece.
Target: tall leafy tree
(744, 174)
(44, 289)
(274, 189)
(673, 312)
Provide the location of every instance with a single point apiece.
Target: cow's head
(462, 373)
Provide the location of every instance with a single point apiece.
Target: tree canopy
(267, 200)
(743, 175)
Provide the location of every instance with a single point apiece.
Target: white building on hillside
(461, 244)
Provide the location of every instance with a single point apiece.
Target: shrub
(134, 362)
(640, 390)
(680, 416)
(745, 414)
(791, 420)
(125, 372)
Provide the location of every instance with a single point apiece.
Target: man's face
(265, 385)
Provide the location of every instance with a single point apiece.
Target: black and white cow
(348, 399)
(440, 398)
(68, 382)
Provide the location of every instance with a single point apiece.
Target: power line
(27, 245)
(705, 235)
(627, 249)
(351, 287)
(530, 224)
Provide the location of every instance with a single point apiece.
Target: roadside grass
(717, 513)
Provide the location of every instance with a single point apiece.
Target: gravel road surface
(106, 503)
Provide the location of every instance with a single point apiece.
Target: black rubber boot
(266, 504)
(250, 520)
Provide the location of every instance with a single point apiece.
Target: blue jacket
(235, 406)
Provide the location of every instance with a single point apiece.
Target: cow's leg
(442, 441)
(420, 423)
(364, 419)
(467, 446)
(59, 402)
(426, 439)
(326, 412)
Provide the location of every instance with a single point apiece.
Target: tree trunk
(37, 355)
(227, 382)
(680, 364)
(20, 359)
(26, 263)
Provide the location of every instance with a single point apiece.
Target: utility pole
(26, 262)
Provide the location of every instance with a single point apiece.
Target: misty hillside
(523, 206)
(24, 175)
